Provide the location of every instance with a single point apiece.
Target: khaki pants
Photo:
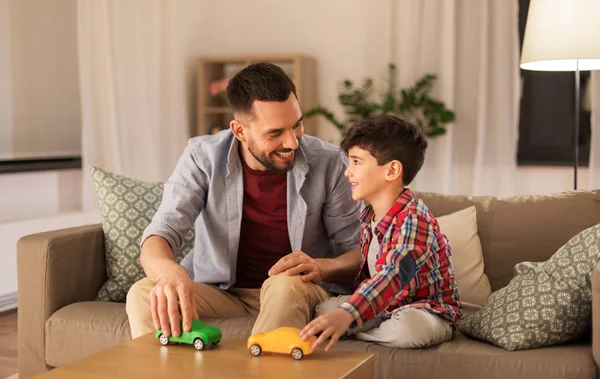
(282, 301)
(407, 328)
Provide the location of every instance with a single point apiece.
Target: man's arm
(342, 269)
(342, 222)
(183, 199)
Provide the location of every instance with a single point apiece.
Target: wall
(547, 180)
(346, 37)
(5, 79)
(10, 234)
(35, 194)
(30, 203)
(38, 48)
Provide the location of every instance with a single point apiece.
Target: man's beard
(270, 164)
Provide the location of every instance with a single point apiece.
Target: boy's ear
(394, 171)
(238, 130)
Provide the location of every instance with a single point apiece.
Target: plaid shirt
(414, 266)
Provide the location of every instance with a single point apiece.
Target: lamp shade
(560, 32)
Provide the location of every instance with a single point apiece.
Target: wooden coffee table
(145, 358)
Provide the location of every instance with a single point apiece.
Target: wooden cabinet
(213, 113)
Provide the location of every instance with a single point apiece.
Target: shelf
(246, 59)
(214, 112)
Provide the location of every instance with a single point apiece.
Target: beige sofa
(60, 272)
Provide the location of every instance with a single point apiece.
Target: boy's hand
(332, 324)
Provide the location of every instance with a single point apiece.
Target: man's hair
(259, 81)
(389, 138)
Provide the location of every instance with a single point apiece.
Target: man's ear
(394, 171)
(238, 130)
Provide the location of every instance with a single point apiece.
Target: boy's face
(366, 176)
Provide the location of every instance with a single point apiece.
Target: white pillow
(461, 230)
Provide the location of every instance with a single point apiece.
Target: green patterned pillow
(127, 207)
(546, 303)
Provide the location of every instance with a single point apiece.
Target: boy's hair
(389, 138)
(259, 81)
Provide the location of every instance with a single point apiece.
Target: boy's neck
(384, 201)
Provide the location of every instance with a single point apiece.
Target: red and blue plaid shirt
(414, 265)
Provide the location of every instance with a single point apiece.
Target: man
(266, 203)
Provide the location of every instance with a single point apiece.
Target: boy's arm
(341, 269)
(403, 262)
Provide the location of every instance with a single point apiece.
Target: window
(546, 122)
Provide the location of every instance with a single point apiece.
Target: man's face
(272, 134)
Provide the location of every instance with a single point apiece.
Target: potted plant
(414, 104)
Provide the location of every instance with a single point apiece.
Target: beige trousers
(407, 328)
(282, 301)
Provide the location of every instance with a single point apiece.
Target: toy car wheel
(216, 343)
(199, 344)
(164, 340)
(255, 350)
(297, 353)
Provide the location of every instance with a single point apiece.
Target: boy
(407, 296)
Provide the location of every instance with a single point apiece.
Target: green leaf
(436, 132)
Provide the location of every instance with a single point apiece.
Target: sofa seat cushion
(84, 328)
(464, 357)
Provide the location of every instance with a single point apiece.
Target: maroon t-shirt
(264, 236)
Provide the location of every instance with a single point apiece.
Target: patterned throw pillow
(545, 303)
(127, 207)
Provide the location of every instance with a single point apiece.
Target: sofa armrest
(596, 315)
(54, 269)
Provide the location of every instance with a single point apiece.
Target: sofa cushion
(81, 329)
(461, 230)
(546, 303)
(127, 207)
(467, 358)
(521, 228)
(84, 328)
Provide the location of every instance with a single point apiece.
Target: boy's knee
(329, 305)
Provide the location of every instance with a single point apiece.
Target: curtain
(132, 81)
(473, 48)
(594, 167)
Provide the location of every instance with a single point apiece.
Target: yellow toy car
(281, 340)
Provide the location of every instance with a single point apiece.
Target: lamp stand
(576, 163)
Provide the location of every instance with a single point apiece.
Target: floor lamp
(563, 35)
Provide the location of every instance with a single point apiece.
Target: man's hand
(332, 324)
(171, 293)
(298, 263)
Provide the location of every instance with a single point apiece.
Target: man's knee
(138, 296)
(284, 287)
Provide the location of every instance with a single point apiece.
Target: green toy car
(201, 335)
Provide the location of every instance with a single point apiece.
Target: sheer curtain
(594, 167)
(132, 80)
(473, 47)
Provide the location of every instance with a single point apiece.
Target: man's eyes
(280, 132)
